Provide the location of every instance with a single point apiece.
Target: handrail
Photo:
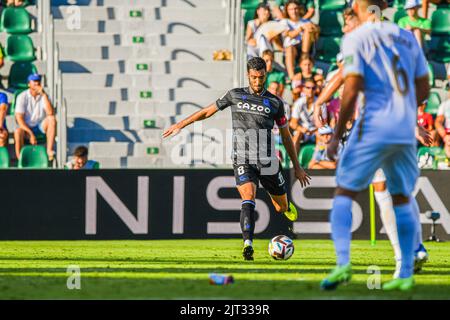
(237, 39)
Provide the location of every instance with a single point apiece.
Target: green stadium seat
(18, 75)
(332, 4)
(331, 23)
(286, 161)
(328, 48)
(20, 48)
(440, 49)
(33, 157)
(430, 75)
(440, 22)
(399, 3)
(15, 21)
(433, 151)
(306, 154)
(12, 109)
(250, 4)
(434, 101)
(4, 158)
(400, 13)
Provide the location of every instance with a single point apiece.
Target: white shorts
(359, 162)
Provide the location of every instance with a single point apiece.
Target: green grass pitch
(178, 269)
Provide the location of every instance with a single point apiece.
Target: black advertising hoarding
(171, 204)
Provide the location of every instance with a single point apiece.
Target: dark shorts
(275, 184)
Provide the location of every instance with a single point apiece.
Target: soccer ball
(281, 248)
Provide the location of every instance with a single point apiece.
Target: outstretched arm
(300, 174)
(203, 114)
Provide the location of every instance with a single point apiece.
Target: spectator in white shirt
(35, 115)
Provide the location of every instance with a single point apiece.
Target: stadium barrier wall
(175, 204)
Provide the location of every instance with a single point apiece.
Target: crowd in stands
(283, 34)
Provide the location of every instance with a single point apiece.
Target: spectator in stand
(3, 112)
(80, 160)
(319, 159)
(14, 3)
(279, 7)
(273, 75)
(299, 37)
(302, 120)
(306, 73)
(35, 115)
(256, 41)
(425, 120)
(443, 123)
(413, 22)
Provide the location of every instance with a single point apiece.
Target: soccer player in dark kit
(254, 112)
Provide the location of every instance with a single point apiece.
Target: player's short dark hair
(81, 151)
(256, 63)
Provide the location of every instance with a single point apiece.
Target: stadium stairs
(133, 68)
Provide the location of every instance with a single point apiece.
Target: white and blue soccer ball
(281, 247)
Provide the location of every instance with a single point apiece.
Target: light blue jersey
(389, 59)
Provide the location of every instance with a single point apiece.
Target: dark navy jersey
(253, 117)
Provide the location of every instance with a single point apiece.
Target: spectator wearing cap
(35, 115)
(320, 159)
(3, 112)
(413, 22)
(80, 160)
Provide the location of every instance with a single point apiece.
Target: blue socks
(341, 225)
(418, 239)
(248, 219)
(406, 217)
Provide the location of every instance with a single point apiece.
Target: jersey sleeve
(3, 98)
(280, 116)
(20, 103)
(225, 101)
(353, 62)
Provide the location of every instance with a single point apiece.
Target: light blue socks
(406, 217)
(341, 225)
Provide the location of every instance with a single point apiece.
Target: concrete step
(90, 81)
(122, 13)
(140, 27)
(200, 96)
(117, 149)
(222, 68)
(100, 134)
(127, 108)
(184, 41)
(114, 122)
(144, 3)
(137, 52)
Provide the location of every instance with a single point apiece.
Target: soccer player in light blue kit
(387, 65)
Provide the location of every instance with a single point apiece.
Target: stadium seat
(440, 49)
(430, 150)
(434, 101)
(15, 21)
(19, 73)
(33, 157)
(430, 75)
(306, 154)
(400, 13)
(328, 48)
(331, 23)
(13, 102)
(285, 157)
(440, 22)
(4, 158)
(399, 3)
(20, 48)
(332, 4)
(250, 4)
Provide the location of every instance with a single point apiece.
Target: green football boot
(403, 284)
(340, 274)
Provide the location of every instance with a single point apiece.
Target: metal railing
(53, 76)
